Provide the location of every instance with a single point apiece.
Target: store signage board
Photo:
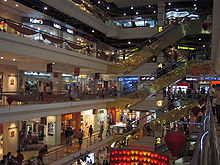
(56, 26)
(211, 78)
(128, 78)
(191, 79)
(146, 78)
(185, 48)
(69, 31)
(36, 21)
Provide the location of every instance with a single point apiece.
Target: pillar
(11, 137)
(143, 121)
(160, 13)
(58, 130)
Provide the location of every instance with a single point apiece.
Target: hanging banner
(76, 71)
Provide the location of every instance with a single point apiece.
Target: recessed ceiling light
(132, 7)
(154, 11)
(93, 31)
(194, 5)
(129, 42)
(149, 5)
(2, 57)
(136, 12)
(124, 13)
(177, 9)
(53, 63)
(45, 8)
(195, 8)
(108, 7)
(169, 3)
(16, 5)
(99, 2)
(200, 39)
(203, 46)
(13, 59)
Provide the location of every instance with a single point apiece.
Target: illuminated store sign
(56, 26)
(69, 31)
(128, 78)
(147, 78)
(211, 78)
(191, 79)
(185, 48)
(36, 21)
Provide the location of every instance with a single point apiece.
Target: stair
(164, 40)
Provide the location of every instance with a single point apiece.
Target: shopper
(211, 93)
(48, 89)
(217, 93)
(80, 138)
(90, 131)
(19, 157)
(101, 131)
(41, 153)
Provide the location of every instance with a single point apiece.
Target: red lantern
(195, 110)
(203, 109)
(175, 142)
(76, 71)
(9, 100)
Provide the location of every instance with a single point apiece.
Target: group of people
(10, 159)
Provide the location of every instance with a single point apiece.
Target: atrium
(109, 82)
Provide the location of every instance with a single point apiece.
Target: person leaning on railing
(217, 93)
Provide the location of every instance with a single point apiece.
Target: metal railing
(207, 148)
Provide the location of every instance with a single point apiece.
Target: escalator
(165, 114)
(154, 46)
(144, 89)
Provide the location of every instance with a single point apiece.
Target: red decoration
(201, 101)
(175, 142)
(76, 71)
(9, 100)
(195, 110)
(206, 26)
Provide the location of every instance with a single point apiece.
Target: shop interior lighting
(53, 63)
(169, 3)
(149, 5)
(2, 58)
(5, 0)
(108, 7)
(195, 8)
(45, 8)
(16, 5)
(177, 9)
(13, 59)
(124, 13)
(132, 7)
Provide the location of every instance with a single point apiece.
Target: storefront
(71, 120)
(34, 133)
(128, 83)
(94, 117)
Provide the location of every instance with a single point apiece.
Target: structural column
(160, 13)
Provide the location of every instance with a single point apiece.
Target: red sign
(1, 129)
(76, 71)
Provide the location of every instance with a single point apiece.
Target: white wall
(34, 49)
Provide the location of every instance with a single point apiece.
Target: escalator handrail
(178, 63)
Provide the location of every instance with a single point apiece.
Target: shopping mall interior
(109, 82)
